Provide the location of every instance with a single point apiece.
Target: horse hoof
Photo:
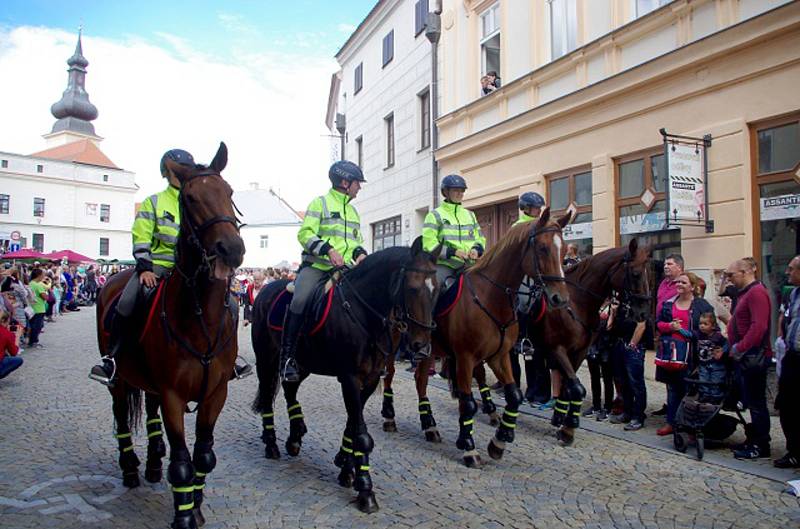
(495, 452)
(473, 461)
(564, 439)
(432, 436)
(367, 503)
(494, 419)
(184, 522)
(345, 479)
(153, 475)
(271, 451)
(131, 480)
(389, 426)
(198, 516)
(293, 448)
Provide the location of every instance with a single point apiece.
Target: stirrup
(242, 371)
(422, 354)
(294, 376)
(107, 381)
(526, 349)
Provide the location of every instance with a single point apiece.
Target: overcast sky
(254, 74)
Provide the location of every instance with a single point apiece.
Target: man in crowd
(788, 401)
(748, 333)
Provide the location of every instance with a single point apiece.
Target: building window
(420, 16)
(642, 7)
(105, 178)
(40, 168)
(103, 246)
(490, 40)
(388, 48)
(105, 213)
(5, 201)
(4, 164)
(572, 190)
(38, 242)
(389, 120)
(359, 78)
(563, 27)
(360, 151)
(641, 181)
(264, 241)
(425, 119)
(91, 209)
(386, 234)
(38, 207)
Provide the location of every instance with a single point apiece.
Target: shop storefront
(571, 190)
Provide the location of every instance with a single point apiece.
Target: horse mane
(386, 258)
(516, 236)
(595, 262)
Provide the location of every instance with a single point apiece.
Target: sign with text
(581, 230)
(686, 183)
(781, 207)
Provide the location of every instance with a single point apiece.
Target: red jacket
(8, 342)
(749, 326)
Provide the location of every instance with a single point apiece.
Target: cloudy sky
(253, 73)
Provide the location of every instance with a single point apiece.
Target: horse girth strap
(501, 327)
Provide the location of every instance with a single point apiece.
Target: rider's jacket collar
(338, 195)
(450, 206)
(173, 191)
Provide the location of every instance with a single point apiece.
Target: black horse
(388, 295)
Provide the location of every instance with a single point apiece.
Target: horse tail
(265, 348)
(451, 374)
(134, 408)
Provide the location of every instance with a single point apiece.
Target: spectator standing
(748, 334)
(600, 367)
(9, 361)
(572, 257)
(673, 267)
(91, 283)
(711, 347)
(39, 290)
(20, 299)
(788, 401)
(629, 366)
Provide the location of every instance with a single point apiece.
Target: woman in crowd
(678, 319)
(40, 291)
(20, 298)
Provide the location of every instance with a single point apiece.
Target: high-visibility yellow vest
(456, 228)
(156, 228)
(330, 222)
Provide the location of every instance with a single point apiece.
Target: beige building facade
(586, 86)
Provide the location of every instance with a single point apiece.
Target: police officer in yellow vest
(454, 227)
(330, 237)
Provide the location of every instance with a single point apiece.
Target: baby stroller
(701, 418)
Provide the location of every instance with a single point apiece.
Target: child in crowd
(58, 290)
(9, 361)
(711, 349)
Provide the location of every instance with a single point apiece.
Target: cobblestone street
(58, 465)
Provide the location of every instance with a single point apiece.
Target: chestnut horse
(390, 293)
(482, 326)
(187, 349)
(566, 334)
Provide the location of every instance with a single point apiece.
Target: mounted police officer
(155, 237)
(330, 237)
(455, 228)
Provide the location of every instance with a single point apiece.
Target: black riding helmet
(178, 156)
(452, 181)
(531, 200)
(345, 170)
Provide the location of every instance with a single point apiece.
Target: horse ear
(181, 172)
(565, 219)
(633, 246)
(416, 246)
(544, 218)
(220, 159)
(435, 253)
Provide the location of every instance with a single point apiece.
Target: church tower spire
(74, 111)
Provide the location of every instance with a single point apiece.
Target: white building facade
(383, 93)
(270, 229)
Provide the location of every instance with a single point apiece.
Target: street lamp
(433, 31)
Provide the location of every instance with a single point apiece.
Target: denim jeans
(676, 390)
(753, 383)
(634, 369)
(9, 364)
(37, 322)
(602, 377)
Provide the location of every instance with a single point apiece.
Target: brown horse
(566, 334)
(187, 349)
(482, 326)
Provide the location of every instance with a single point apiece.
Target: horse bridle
(540, 280)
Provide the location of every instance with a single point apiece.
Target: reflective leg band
(268, 421)
(486, 393)
(200, 474)
(561, 406)
(358, 454)
(509, 419)
(468, 424)
(200, 487)
(576, 407)
(346, 444)
(180, 490)
(293, 407)
(265, 415)
(127, 448)
(364, 468)
(186, 507)
(154, 421)
(424, 407)
(123, 435)
(388, 394)
(298, 415)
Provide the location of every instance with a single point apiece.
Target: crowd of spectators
(248, 283)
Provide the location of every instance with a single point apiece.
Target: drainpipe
(341, 126)
(433, 31)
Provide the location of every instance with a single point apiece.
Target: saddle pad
(316, 314)
(153, 308)
(448, 299)
(111, 309)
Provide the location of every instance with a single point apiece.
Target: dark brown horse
(188, 347)
(567, 333)
(482, 326)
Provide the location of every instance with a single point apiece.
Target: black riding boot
(104, 372)
(291, 330)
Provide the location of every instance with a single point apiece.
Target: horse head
(632, 280)
(546, 246)
(209, 227)
(418, 283)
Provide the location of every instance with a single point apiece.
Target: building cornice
(64, 162)
(106, 186)
(366, 28)
(3, 222)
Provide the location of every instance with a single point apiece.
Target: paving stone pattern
(58, 465)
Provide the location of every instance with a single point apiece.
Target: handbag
(672, 354)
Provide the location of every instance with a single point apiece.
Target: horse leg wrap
(387, 410)
(575, 392)
(345, 452)
(156, 449)
(508, 423)
(181, 476)
(466, 421)
(297, 426)
(362, 446)
(560, 411)
(268, 424)
(204, 462)
(426, 414)
(128, 461)
(487, 405)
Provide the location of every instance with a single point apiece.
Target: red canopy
(24, 254)
(72, 257)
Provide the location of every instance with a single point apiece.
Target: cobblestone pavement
(58, 465)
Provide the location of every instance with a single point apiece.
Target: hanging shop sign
(781, 207)
(644, 223)
(581, 230)
(687, 180)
